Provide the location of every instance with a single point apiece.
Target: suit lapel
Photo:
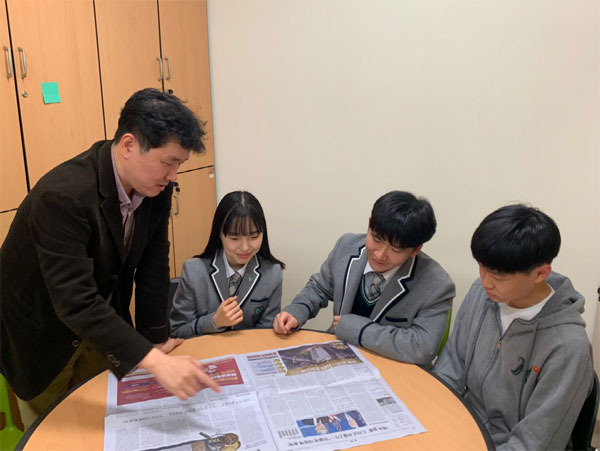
(109, 205)
(352, 278)
(395, 289)
(249, 281)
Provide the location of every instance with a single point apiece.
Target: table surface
(77, 422)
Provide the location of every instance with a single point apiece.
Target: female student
(236, 282)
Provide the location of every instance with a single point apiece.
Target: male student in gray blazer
(388, 296)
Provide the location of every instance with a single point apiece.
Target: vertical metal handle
(160, 65)
(168, 67)
(23, 61)
(176, 197)
(9, 63)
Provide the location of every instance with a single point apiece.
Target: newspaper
(320, 396)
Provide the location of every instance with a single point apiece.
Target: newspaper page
(318, 396)
(327, 396)
(229, 423)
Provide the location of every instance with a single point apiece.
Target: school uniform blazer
(65, 277)
(408, 320)
(204, 285)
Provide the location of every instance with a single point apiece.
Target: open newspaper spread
(318, 396)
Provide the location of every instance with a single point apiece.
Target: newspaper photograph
(139, 389)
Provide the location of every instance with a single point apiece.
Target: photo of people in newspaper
(331, 424)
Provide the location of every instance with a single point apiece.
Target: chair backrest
(581, 437)
(9, 433)
(446, 332)
(172, 290)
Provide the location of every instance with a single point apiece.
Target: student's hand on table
(169, 345)
(180, 375)
(229, 313)
(284, 323)
(336, 319)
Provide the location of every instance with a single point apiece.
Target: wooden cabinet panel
(191, 215)
(13, 185)
(58, 43)
(184, 43)
(5, 221)
(128, 45)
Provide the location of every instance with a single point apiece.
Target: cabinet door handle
(176, 197)
(160, 66)
(168, 67)
(23, 61)
(9, 63)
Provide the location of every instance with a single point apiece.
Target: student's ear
(542, 272)
(417, 250)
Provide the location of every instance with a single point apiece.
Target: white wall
(320, 106)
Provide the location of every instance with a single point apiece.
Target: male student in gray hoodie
(519, 354)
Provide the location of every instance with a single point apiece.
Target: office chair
(446, 333)
(581, 437)
(9, 433)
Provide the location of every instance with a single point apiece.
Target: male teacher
(88, 229)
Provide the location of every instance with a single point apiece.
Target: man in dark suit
(88, 229)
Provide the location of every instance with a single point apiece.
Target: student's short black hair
(239, 213)
(156, 118)
(515, 238)
(402, 219)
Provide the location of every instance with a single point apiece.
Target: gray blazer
(203, 286)
(410, 316)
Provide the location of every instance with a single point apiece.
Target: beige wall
(320, 106)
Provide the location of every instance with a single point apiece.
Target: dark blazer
(64, 277)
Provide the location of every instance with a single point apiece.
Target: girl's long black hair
(238, 213)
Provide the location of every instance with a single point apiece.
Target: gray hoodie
(527, 385)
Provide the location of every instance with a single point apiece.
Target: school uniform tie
(234, 283)
(373, 283)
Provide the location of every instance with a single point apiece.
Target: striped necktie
(234, 283)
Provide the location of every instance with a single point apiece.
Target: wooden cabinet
(13, 184)
(5, 221)
(194, 205)
(99, 53)
(54, 41)
(184, 42)
(164, 44)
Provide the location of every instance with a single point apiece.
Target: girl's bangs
(241, 225)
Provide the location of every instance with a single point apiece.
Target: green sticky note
(50, 92)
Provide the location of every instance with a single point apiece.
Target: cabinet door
(58, 44)
(13, 185)
(129, 48)
(191, 215)
(184, 43)
(5, 221)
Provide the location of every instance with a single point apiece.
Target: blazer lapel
(219, 276)
(395, 289)
(109, 204)
(352, 278)
(249, 281)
